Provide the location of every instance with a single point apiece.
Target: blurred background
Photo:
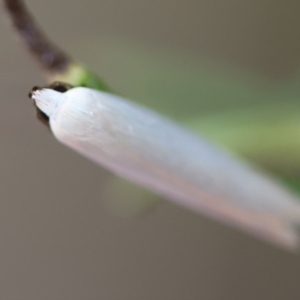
(71, 230)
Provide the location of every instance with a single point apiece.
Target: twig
(51, 59)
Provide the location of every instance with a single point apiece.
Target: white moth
(149, 149)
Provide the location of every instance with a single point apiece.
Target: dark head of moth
(56, 86)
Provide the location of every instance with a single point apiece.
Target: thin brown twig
(51, 58)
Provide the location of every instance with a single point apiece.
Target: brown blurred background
(58, 240)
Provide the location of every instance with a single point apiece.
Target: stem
(51, 59)
(57, 65)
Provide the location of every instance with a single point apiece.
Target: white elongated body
(150, 149)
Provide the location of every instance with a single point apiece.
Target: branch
(49, 57)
